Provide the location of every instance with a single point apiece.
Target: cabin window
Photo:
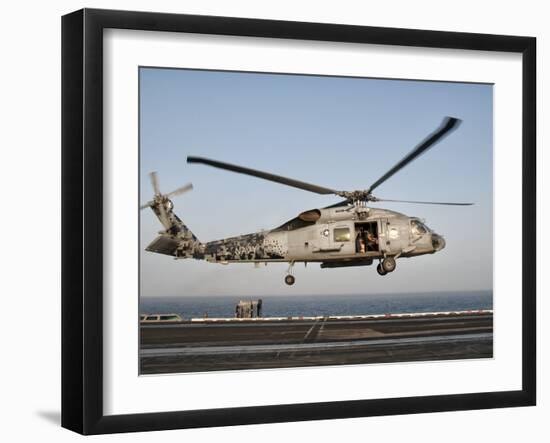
(418, 228)
(342, 234)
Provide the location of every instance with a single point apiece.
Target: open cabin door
(366, 238)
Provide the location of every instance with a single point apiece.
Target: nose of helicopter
(438, 242)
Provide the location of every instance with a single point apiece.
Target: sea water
(320, 305)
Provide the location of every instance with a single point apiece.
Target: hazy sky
(342, 133)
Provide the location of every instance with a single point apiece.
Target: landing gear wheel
(389, 264)
(289, 280)
(380, 269)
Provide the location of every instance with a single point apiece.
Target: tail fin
(177, 240)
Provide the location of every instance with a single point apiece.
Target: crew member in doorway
(360, 242)
(372, 241)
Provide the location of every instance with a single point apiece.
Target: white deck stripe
(342, 317)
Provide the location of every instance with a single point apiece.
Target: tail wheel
(389, 264)
(289, 280)
(380, 269)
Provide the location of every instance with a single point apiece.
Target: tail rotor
(161, 203)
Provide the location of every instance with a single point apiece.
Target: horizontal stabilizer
(164, 244)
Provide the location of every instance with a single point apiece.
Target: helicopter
(345, 234)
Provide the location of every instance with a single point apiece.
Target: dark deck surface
(217, 346)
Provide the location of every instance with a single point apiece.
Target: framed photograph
(269, 221)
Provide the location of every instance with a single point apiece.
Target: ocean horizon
(320, 305)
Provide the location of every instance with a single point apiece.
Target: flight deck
(221, 344)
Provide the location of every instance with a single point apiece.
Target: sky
(338, 132)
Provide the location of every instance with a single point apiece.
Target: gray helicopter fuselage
(329, 235)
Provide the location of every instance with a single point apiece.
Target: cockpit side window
(418, 228)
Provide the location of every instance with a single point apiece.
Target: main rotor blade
(376, 199)
(180, 190)
(447, 126)
(154, 182)
(146, 205)
(265, 175)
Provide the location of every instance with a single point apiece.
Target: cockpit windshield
(418, 228)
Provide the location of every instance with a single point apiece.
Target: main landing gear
(386, 266)
(289, 278)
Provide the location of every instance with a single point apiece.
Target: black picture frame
(82, 218)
